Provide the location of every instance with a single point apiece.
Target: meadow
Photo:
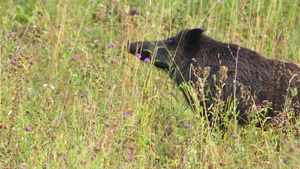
(73, 97)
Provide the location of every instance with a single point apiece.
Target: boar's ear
(193, 37)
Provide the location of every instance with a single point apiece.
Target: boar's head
(169, 52)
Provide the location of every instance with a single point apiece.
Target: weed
(72, 97)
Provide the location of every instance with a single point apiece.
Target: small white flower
(52, 87)
(45, 85)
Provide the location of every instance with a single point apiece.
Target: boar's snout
(143, 48)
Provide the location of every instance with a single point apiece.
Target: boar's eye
(172, 41)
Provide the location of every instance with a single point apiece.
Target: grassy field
(73, 97)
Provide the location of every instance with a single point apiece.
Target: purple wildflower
(138, 56)
(247, 19)
(257, 107)
(108, 115)
(105, 14)
(113, 4)
(221, 164)
(265, 102)
(92, 158)
(286, 161)
(129, 159)
(15, 59)
(86, 29)
(111, 104)
(23, 160)
(32, 62)
(28, 128)
(74, 58)
(147, 60)
(10, 34)
(186, 125)
(260, 47)
(92, 1)
(297, 20)
(221, 2)
(127, 113)
(213, 16)
(219, 100)
(152, 9)
(282, 41)
(17, 137)
(111, 45)
(275, 120)
(119, 39)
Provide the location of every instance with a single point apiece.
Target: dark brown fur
(258, 77)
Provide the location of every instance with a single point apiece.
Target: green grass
(107, 109)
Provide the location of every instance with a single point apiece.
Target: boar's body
(259, 79)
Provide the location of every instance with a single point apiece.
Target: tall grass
(72, 97)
